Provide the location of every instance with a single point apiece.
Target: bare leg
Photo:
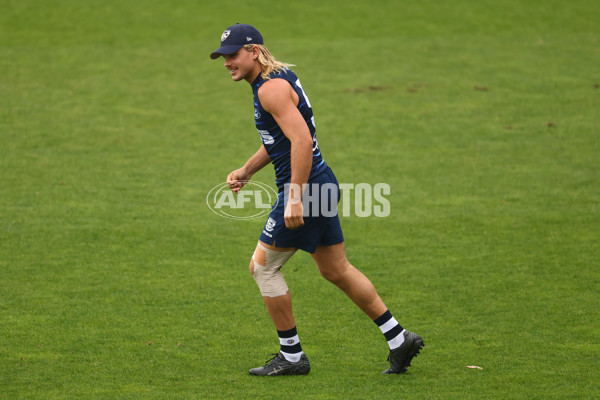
(280, 308)
(334, 266)
(290, 360)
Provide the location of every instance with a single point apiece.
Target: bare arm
(279, 99)
(238, 178)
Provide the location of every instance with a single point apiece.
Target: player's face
(241, 65)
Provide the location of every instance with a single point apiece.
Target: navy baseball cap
(235, 37)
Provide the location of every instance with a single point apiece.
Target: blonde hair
(268, 63)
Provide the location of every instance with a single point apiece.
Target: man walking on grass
(285, 122)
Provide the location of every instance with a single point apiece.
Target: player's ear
(255, 52)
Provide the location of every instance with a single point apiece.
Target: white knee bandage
(268, 277)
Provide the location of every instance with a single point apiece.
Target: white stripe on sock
(388, 325)
(292, 357)
(397, 341)
(289, 341)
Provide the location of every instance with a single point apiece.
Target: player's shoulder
(284, 74)
(274, 85)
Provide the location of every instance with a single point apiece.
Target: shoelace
(272, 358)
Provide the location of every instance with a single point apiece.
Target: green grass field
(118, 282)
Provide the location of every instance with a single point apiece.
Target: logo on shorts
(225, 35)
(270, 224)
(254, 200)
(256, 114)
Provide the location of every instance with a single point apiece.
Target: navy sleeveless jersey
(276, 143)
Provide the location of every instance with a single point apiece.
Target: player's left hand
(293, 215)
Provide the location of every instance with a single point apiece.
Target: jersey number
(315, 144)
(303, 92)
(266, 138)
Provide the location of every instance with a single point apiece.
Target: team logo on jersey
(270, 224)
(256, 114)
(225, 35)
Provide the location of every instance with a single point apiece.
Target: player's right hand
(237, 179)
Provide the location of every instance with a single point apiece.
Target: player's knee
(335, 273)
(331, 276)
(268, 275)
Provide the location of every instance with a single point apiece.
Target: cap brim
(227, 49)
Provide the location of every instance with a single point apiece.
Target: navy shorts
(318, 229)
